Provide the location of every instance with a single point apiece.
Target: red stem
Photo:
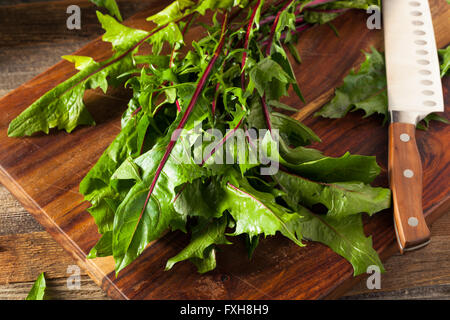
(274, 26)
(213, 108)
(266, 112)
(186, 114)
(247, 38)
(172, 55)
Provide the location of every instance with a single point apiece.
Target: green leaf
(103, 248)
(425, 123)
(181, 8)
(257, 212)
(134, 228)
(201, 250)
(37, 292)
(345, 236)
(120, 36)
(269, 77)
(342, 198)
(251, 243)
(445, 65)
(111, 5)
(292, 131)
(367, 90)
(346, 168)
(63, 107)
(363, 90)
(96, 185)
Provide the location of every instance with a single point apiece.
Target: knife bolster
(405, 178)
(406, 117)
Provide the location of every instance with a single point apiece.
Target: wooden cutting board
(44, 172)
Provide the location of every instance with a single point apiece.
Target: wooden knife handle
(405, 178)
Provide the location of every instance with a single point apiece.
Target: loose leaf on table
(37, 291)
(366, 90)
(363, 90)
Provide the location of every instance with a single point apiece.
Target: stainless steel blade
(412, 63)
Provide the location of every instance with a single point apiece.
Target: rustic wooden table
(33, 36)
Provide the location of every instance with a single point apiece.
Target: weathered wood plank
(57, 289)
(24, 256)
(14, 219)
(436, 292)
(416, 269)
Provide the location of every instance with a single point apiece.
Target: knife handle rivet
(420, 42)
(404, 137)
(414, 3)
(416, 13)
(417, 23)
(419, 32)
(408, 173)
(413, 222)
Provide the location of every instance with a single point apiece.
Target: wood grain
(419, 274)
(280, 270)
(405, 178)
(21, 261)
(56, 290)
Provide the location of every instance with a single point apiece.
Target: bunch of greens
(366, 90)
(148, 180)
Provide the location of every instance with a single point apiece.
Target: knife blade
(414, 90)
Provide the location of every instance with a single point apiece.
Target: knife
(414, 91)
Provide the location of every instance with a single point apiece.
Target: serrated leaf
(362, 90)
(341, 199)
(110, 5)
(367, 90)
(257, 212)
(269, 77)
(344, 236)
(205, 236)
(135, 227)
